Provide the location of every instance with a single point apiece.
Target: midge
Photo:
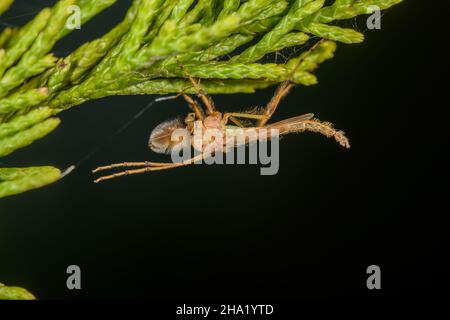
(208, 117)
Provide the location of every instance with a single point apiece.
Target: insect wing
(161, 137)
(291, 121)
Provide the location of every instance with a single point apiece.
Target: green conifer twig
(141, 55)
(14, 293)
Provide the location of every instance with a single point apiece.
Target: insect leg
(148, 167)
(285, 87)
(272, 106)
(129, 165)
(233, 115)
(132, 172)
(206, 99)
(199, 114)
(236, 122)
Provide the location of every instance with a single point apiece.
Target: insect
(208, 117)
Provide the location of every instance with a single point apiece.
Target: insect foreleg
(199, 114)
(148, 167)
(129, 165)
(206, 99)
(131, 172)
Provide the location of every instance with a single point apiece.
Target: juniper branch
(4, 5)
(141, 55)
(14, 293)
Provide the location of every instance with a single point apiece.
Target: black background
(225, 232)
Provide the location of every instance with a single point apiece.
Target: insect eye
(190, 117)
